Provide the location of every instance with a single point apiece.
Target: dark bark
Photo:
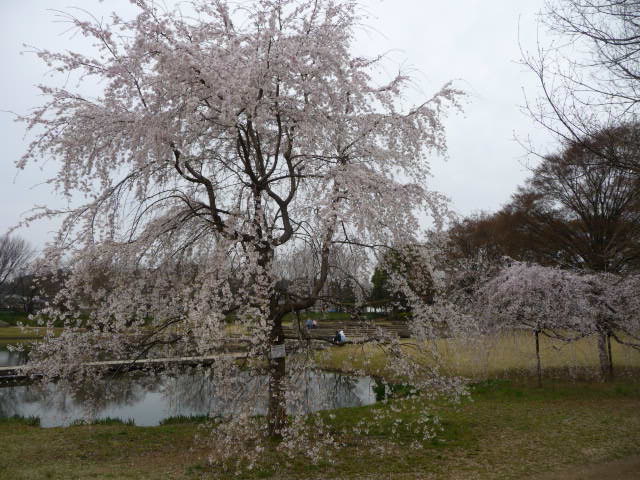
(277, 413)
(605, 366)
(610, 356)
(538, 363)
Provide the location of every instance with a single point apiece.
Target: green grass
(13, 318)
(7, 334)
(104, 421)
(20, 420)
(15, 333)
(20, 318)
(509, 430)
(182, 419)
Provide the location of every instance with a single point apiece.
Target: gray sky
(474, 42)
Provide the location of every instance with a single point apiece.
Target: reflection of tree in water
(214, 391)
(185, 392)
(9, 359)
(110, 391)
(10, 399)
(205, 391)
(86, 400)
(319, 390)
(16, 400)
(24, 399)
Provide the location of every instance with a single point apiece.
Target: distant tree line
(573, 212)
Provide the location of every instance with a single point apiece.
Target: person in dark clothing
(339, 337)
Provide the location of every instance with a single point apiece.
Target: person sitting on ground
(309, 324)
(340, 337)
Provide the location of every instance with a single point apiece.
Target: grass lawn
(509, 430)
(14, 333)
(13, 318)
(7, 334)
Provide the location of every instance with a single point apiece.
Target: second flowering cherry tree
(235, 163)
(564, 304)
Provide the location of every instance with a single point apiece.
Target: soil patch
(625, 469)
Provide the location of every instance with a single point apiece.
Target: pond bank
(510, 430)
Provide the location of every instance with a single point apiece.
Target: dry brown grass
(493, 356)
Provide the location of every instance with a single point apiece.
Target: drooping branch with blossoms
(237, 162)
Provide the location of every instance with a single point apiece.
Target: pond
(148, 399)
(9, 359)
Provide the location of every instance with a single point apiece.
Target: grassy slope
(508, 431)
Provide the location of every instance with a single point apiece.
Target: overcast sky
(474, 42)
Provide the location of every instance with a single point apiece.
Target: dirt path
(625, 469)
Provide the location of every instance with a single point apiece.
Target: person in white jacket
(340, 337)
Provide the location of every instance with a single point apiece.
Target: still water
(147, 400)
(8, 359)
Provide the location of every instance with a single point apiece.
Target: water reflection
(148, 399)
(9, 359)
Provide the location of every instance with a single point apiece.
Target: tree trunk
(605, 367)
(610, 356)
(539, 366)
(277, 413)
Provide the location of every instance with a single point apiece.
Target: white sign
(278, 351)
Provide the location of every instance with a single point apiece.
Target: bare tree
(590, 76)
(493, 236)
(574, 212)
(15, 253)
(582, 213)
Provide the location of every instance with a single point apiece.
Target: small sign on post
(278, 351)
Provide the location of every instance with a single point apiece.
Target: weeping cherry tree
(565, 305)
(237, 160)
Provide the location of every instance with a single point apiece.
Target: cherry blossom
(238, 161)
